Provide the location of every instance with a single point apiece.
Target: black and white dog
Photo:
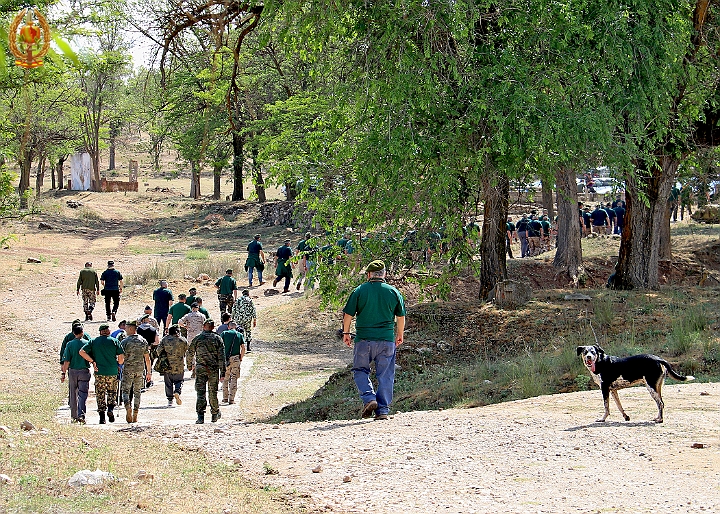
(613, 373)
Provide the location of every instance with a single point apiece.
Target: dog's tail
(675, 374)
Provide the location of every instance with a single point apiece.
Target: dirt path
(538, 455)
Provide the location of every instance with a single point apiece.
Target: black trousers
(115, 297)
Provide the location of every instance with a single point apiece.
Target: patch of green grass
(194, 255)
(604, 310)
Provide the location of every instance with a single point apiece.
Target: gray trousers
(524, 244)
(173, 384)
(79, 384)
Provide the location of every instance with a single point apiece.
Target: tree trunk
(496, 191)
(52, 176)
(217, 172)
(547, 199)
(40, 174)
(568, 256)
(238, 142)
(258, 178)
(24, 184)
(290, 191)
(195, 180)
(665, 250)
(114, 133)
(637, 265)
(60, 166)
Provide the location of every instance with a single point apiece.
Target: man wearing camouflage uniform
(245, 315)
(136, 369)
(89, 283)
(175, 346)
(208, 350)
(105, 353)
(192, 322)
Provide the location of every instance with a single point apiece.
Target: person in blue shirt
(112, 285)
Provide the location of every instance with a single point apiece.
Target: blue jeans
(250, 275)
(383, 354)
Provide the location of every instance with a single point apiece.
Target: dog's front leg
(606, 401)
(616, 397)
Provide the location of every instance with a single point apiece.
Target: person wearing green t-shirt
(177, 311)
(227, 292)
(202, 310)
(105, 353)
(78, 375)
(89, 283)
(379, 312)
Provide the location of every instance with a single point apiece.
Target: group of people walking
(177, 337)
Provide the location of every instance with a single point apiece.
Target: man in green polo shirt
(105, 353)
(227, 292)
(177, 311)
(78, 375)
(380, 322)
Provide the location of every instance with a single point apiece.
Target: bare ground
(543, 454)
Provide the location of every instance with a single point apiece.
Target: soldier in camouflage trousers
(105, 353)
(175, 346)
(136, 370)
(208, 350)
(245, 315)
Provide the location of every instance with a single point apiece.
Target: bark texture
(195, 180)
(637, 265)
(568, 256)
(496, 191)
(238, 142)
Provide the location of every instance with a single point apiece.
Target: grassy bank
(464, 355)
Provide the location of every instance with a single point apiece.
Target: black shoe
(216, 416)
(111, 416)
(90, 316)
(113, 316)
(201, 419)
(87, 316)
(102, 417)
(275, 282)
(148, 385)
(81, 420)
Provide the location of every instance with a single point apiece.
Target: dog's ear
(599, 350)
(580, 350)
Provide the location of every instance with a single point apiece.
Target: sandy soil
(543, 454)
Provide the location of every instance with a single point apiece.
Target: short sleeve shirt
(112, 278)
(375, 305)
(254, 247)
(227, 285)
(72, 354)
(162, 296)
(104, 350)
(178, 310)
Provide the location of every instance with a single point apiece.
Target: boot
(201, 418)
(87, 316)
(111, 416)
(134, 415)
(216, 416)
(128, 413)
(102, 416)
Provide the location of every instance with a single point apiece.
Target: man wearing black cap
(380, 322)
(227, 292)
(208, 352)
(283, 269)
(255, 259)
(89, 283)
(78, 375)
(104, 353)
(112, 285)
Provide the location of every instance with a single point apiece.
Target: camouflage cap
(131, 323)
(144, 316)
(376, 265)
(76, 322)
(194, 305)
(104, 326)
(209, 321)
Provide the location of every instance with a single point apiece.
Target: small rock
(704, 393)
(271, 292)
(4, 479)
(219, 431)
(4, 430)
(144, 475)
(176, 435)
(85, 441)
(26, 425)
(73, 204)
(276, 426)
(317, 469)
(33, 260)
(237, 461)
(698, 446)
(347, 479)
(44, 226)
(203, 276)
(258, 441)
